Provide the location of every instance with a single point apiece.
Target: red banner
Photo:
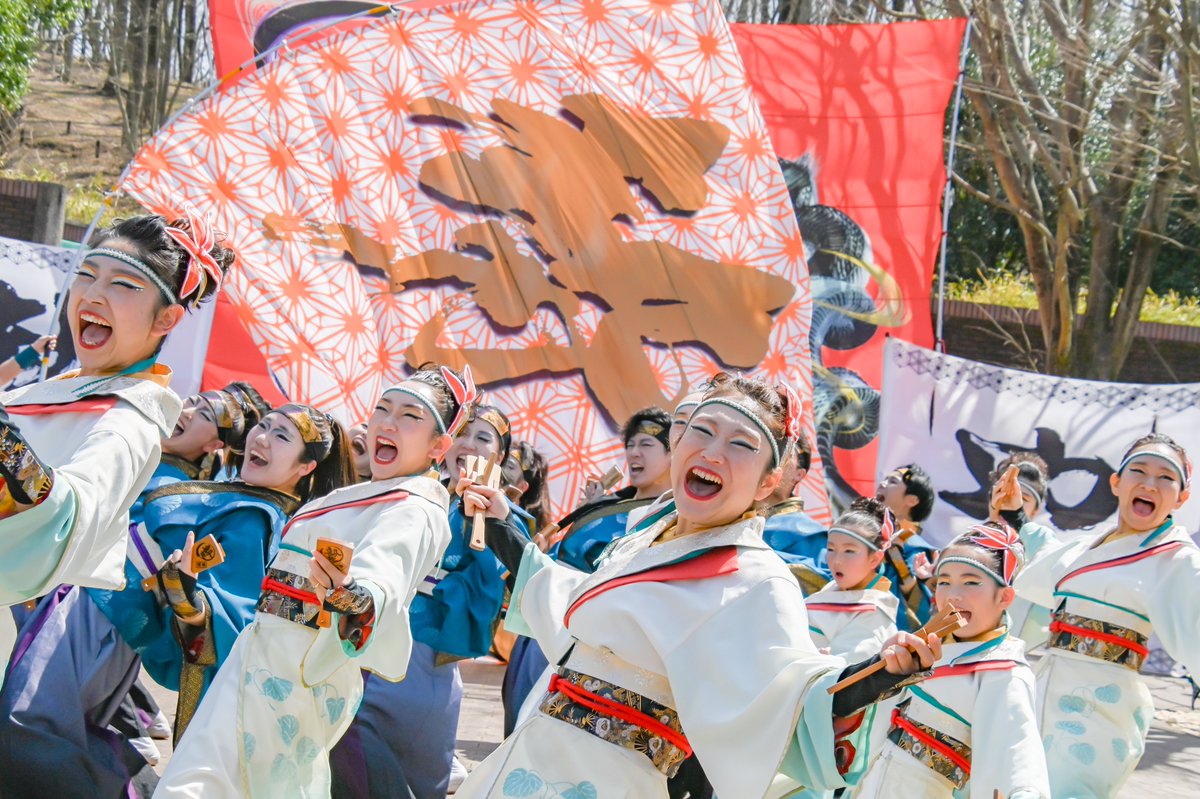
(856, 116)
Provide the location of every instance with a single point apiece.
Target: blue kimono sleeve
(249, 535)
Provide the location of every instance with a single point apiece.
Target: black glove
(876, 688)
(1016, 519)
(507, 543)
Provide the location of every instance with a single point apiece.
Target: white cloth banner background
(957, 419)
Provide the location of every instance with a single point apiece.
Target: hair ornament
(198, 242)
(465, 394)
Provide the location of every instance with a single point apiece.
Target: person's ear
(1184, 495)
(768, 484)
(438, 447)
(166, 319)
(1007, 595)
(1113, 480)
(212, 446)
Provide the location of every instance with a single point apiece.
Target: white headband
(976, 564)
(749, 414)
(404, 388)
(1184, 477)
(138, 264)
(844, 531)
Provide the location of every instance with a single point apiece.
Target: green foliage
(19, 21)
(17, 50)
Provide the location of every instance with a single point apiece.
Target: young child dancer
(66, 681)
(853, 615)
(908, 493)
(1110, 593)
(968, 729)
(405, 731)
(292, 684)
(75, 452)
(691, 636)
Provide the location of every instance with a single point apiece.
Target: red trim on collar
(1109, 564)
(85, 405)
(388, 496)
(971, 668)
(832, 607)
(714, 563)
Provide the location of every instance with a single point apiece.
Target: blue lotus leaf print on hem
(335, 708)
(522, 782)
(306, 750)
(584, 790)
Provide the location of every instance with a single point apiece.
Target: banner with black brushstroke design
(31, 275)
(957, 419)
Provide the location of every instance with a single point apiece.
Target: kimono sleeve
(231, 589)
(1172, 598)
(469, 598)
(400, 545)
(78, 534)
(1006, 747)
(750, 689)
(1046, 559)
(540, 600)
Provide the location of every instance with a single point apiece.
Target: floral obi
(290, 596)
(1098, 639)
(946, 756)
(619, 716)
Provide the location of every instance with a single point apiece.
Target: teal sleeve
(533, 560)
(809, 759)
(32, 544)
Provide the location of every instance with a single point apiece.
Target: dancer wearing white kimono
(691, 636)
(291, 686)
(1109, 594)
(968, 728)
(76, 452)
(853, 615)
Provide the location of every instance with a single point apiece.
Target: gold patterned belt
(289, 596)
(619, 716)
(946, 756)
(1111, 643)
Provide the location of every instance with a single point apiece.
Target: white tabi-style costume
(1108, 598)
(853, 624)
(698, 643)
(967, 730)
(101, 436)
(288, 690)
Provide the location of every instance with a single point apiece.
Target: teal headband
(749, 414)
(974, 564)
(136, 263)
(403, 388)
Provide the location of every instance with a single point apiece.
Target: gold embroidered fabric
(1128, 656)
(933, 757)
(665, 756)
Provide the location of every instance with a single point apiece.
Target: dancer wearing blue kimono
(78, 657)
(404, 734)
(908, 493)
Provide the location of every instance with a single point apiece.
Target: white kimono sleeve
(1047, 558)
(1006, 747)
(1173, 597)
(404, 541)
(749, 687)
(79, 533)
(540, 600)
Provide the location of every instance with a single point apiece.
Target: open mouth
(634, 471)
(700, 483)
(256, 458)
(94, 332)
(1142, 507)
(359, 446)
(178, 429)
(385, 451)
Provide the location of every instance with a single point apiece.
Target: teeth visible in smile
(707, 476)
(92, 318)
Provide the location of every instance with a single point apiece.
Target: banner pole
(948, 194)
